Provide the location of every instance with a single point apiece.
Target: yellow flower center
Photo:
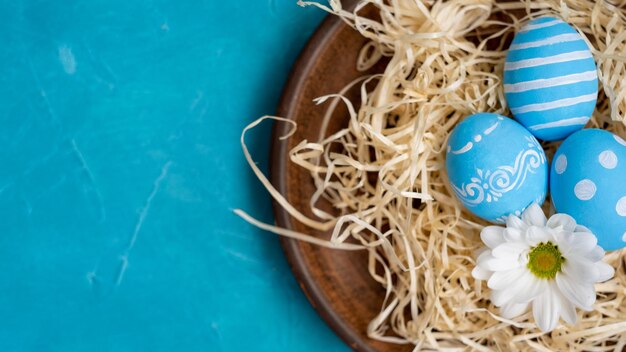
(545, 260)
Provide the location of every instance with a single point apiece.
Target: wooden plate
(336, 283)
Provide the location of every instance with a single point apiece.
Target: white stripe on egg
(540, 25)
(555, 59)
(550, 82)
(574, 121)
(563, 38)
(555, 104)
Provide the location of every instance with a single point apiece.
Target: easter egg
(587, 182)
(550, 79)
(495, 166)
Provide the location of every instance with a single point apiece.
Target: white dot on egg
(608, 159)
(585, 189)
(478, 138)
(620, 207)
(624, 237)
(619, 140)
(560, 165)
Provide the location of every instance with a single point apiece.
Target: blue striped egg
(587, 182)
(495, 166)
(550, 79)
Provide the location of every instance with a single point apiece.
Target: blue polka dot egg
(587, 182)
(495, 166)
(550, 79)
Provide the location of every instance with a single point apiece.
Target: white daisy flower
(549, 264)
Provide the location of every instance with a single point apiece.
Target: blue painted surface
(553, 90)
(496, 185)
(587, 179)
(120, 166)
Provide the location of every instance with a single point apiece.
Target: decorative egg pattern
(550, 79)
(495, 166)
(587, 181)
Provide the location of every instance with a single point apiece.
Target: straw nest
(445, 62)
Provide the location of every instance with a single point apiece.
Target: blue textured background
(120, 162)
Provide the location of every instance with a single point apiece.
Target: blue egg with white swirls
(495, 166)
(550, 79)
(587, 182)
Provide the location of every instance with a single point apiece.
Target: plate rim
(278, 168)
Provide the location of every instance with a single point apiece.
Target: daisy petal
(580, 269)
(484, 251)
(500, 297)
(581, 243)
(596, 254)
(562, 221)
(512, 310)
(534, 216)
(582, 295)
(546, 310)
(527, 288)
(581, 228)
(605, 271)
(498, 264)
(513, 235)
(503, 279)
(514, 222)
(492, 236)
(481, 274)
(568, 311)
(535, 235)
(509, 250)
(508, 294)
